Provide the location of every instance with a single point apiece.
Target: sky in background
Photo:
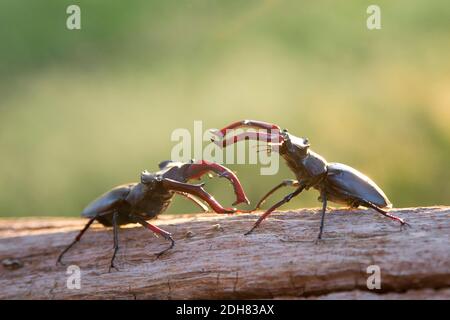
(84, 110)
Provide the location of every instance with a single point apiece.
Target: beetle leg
(196, 190)
(193, 199)
(77, 238)
(285, 183)
(248, 124)
(385, 213)
(166, 235)
(276, 205)
(324, 208)
(116, 239)
(198, 169)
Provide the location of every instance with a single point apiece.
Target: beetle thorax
(309, 168)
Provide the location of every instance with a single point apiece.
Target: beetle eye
(305, 140)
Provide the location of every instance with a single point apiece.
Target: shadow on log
(212, 259)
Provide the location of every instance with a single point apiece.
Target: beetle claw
(405, 225)
(112, 266)
(159, 254)
(217, 133)
(250, 231)
(59, 262)
(172, 244)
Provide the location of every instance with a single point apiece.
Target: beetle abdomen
(108, 201)
(352, 185)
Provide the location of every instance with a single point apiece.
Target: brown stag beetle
(142, 201)
(336, 182)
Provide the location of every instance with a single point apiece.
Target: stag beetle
(336, 182)
(139, 202)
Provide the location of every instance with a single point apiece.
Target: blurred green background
(82, 111)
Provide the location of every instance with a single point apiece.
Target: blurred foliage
(82, 111)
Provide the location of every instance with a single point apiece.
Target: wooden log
(213, 259)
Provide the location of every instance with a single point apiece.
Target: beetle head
(292, 145)
(150, 179)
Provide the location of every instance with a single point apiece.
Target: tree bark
(212, 259)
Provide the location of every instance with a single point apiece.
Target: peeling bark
(212, 259)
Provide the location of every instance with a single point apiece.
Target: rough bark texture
(213, 259)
